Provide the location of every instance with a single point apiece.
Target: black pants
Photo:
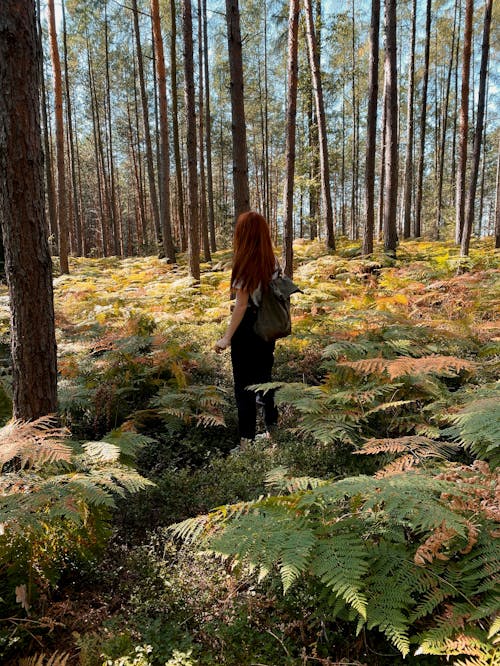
(252, 359)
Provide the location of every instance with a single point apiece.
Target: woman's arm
(238, 313)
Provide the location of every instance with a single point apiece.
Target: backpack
(273, 314)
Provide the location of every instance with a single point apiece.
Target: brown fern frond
(55, 659)
(478, 489)
(398, 466)
(405, 365)
(409, 443)
(431, 548)
(38, 441)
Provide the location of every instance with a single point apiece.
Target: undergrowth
(380, 539)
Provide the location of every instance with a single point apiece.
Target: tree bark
(201, 134)
(175, 127)
(478, 134)
(371, 129)
(208, 134)
(192, 187)
(497, 201)
(147, 130)
(291, 104)
(61, 175)
(391, 163)
(423, 124)
(443, 132)
(22, 217)
(240, 156)
(320, 114)
(408, 180)
(463, 123)
(164, 175)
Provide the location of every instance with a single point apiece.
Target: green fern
(362, 540)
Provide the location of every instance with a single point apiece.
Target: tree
(28, 263)
(497, 201)
(239, 133)
(175, 126)
(408, 182)
(478, 134)
(320, 114)
(161, 77)
(371, 129)
(291, 105)
(391, 155)
(192, 180)
(423, 123)
(147, 129)
(464, 123)
(61, 175)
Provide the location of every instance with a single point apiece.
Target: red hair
(253, 262)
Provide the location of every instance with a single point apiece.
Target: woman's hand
(222, 344)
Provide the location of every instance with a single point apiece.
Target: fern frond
(56, 659)
(441, 365)
(34, 442)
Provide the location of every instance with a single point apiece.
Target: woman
(254, 265)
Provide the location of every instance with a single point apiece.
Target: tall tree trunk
(478, 134)
(291, 104)
(240, 157)
(320, 114)
(201, 135)
(22, 217)
(497, 201)
(443, 132)
(391, 163)
(115, 217)
(464, 123)
(192, 187)
(175, 126)
(354, 221)
(49, 178)
(382, 163)
(147, 131)
(61, 175)
(371, 129)
(71, 142)
(408, 180)
(208, 134)
(164, 175)
(423, 124)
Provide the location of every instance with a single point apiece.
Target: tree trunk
(497, 202)
(408, 180)
(201, 134)
(61, 175)
(208, 135)
(423, 124)
(33, 343)
(371, 129)
(291, 104)
(147, 131)
(114, 209)
(354, 221)
(164, 175)
(391, 163)
(478, 134)
(464, 123)
(443, 132)
(382, 164)
(320, 114)
(240, 157)
(71, 142)
(175, 127)
(192, 187)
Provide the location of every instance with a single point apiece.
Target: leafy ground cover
(388, 384)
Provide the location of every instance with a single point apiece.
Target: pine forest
(358, 523)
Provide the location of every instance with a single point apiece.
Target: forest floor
(135, 344)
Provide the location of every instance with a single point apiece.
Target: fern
(363, 540)
(56, 659)
(477, 427)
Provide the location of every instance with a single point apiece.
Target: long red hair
(253, 261)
